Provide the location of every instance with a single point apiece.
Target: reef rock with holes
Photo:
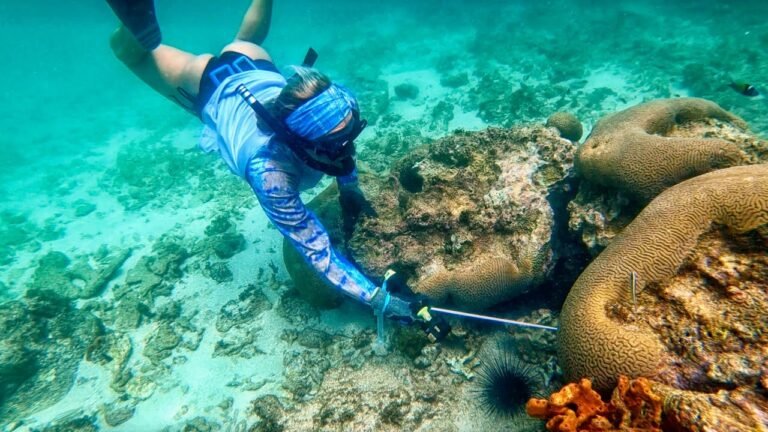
(467, 218)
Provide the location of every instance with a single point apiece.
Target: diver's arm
(353, 202)
(278, 195)
(256, 22)
(347, 181)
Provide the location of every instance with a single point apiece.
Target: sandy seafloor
(70, 113)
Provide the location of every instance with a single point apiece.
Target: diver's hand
(353, 205)
(395, 306)
(409, 310)
(396, 300)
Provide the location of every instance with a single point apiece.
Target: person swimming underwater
(305, 128)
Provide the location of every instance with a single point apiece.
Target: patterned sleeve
(278, 193)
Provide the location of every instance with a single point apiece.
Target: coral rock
(466, 218)
(739, 410)
(43, 338)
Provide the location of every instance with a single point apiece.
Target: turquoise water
(64, 54)
(99, 173)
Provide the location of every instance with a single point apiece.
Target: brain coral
(466, 218)
(489, 280)
(592, 341)
(567, 124)
(631, 150)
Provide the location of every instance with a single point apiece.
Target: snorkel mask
(315, 119)
(308, 129)
(340, 144)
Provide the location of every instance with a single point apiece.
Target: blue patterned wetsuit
(276, 175)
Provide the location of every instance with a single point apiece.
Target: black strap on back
(296, 143)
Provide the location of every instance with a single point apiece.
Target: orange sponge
(578, 408)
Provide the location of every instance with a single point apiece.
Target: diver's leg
(140, 19)
(173, 73)
(256, 21)
(253, 31)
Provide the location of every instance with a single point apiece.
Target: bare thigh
(170, 71)
(173, 73)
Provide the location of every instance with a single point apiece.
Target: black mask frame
(341, 143)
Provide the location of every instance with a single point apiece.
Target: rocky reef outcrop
(466, 218)
(34, 371)
(679, 293)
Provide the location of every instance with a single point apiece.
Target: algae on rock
(466, 218)
(34, 372)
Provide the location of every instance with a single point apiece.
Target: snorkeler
(304, 127)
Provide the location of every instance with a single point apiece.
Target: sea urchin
(504, 384)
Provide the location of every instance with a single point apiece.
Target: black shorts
(219, 68)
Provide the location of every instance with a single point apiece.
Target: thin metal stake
(633, 286)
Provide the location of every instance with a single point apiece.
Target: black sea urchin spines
(504, 384)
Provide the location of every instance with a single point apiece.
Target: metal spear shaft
(490, 318)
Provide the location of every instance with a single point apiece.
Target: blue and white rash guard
(276, 175)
